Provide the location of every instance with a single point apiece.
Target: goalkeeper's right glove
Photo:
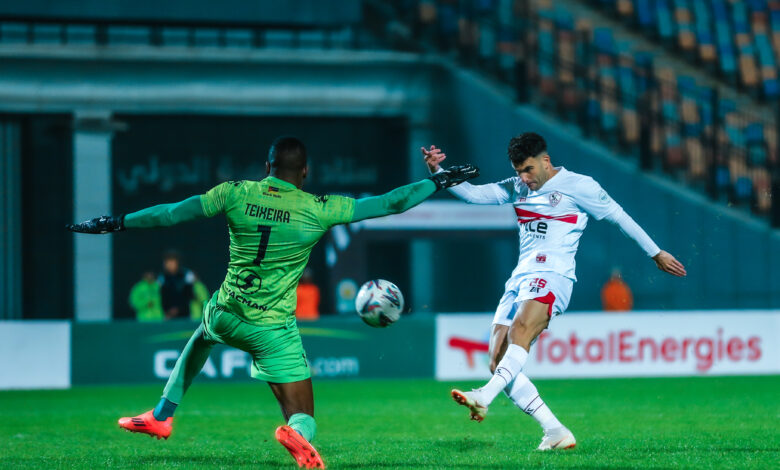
(103, 224)
(454, 175)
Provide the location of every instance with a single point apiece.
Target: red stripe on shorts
(548, 299)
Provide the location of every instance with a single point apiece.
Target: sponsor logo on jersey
(603, 196)
(273, 189)
(245, 301)
(537, 230)
(555, 198)
(248, 282)
(541, 258)
(321, 199)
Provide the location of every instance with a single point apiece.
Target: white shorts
(546, 287)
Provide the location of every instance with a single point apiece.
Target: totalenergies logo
(627, 346)
(469, 347)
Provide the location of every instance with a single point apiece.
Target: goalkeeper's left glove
(454, 175)
(102, 224)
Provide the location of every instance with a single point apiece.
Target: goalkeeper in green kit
(273, 227)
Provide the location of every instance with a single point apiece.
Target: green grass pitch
(727, 422)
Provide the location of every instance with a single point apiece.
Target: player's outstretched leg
(159, 421)
(525, 396)
(478, 400)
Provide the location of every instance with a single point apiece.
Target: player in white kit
(552, 206)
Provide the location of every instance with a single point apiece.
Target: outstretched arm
(162, 215)
(592, 198)
(394, 202)
(494, 193)
(165, 215)
(665, 261)
(404, 198)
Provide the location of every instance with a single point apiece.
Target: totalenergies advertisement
(622, 345)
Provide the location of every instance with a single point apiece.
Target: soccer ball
(379, 303)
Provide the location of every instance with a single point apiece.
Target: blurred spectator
(145, 299)
(200, 295)
(176, 287)
(616, 295)
(308, 307)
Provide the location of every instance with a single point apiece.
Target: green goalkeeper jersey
(273, 227)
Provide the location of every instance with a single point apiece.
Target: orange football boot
(148, 424)
(303, 452)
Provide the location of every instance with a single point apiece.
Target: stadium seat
(664, 21)
(686, 38)
(547, 51)
(704, 35)
(762, 185)
(734, 41)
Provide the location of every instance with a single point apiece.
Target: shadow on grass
(464, 444)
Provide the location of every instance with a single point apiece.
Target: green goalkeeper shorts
(277, 352)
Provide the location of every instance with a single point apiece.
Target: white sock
(511, 365)
(523, 393)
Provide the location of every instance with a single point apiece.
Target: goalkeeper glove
(454, 175)
(102, 224)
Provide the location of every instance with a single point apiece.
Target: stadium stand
(718, 139)
(571, 64)
(731, 38)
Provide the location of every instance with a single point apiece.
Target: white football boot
(557, 439)
(472, 402)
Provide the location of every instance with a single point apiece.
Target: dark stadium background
(674, 107)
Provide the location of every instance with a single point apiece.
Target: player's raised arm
(493, 193)
(161, 215)
(405, 197)
(595, 200)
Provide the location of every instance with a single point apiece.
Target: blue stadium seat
(645, 14)
(704, 33)
(743, 189)
(754, 140)
(724, 39)
(664, 23)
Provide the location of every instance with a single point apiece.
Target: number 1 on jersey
(265, 234)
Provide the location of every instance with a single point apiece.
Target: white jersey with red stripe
(551, 219)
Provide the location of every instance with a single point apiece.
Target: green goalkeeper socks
(304, 425)
(188, 366)
(164, 409)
